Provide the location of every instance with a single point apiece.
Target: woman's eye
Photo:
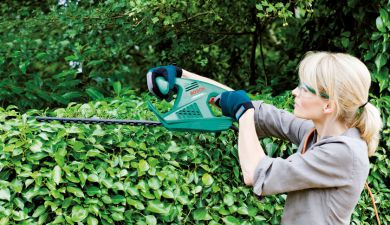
(302, 88)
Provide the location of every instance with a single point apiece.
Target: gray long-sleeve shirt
(323, 185)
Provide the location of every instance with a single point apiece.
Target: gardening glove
(233, 103)
(169, 72)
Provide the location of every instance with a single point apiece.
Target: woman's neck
(330, 127)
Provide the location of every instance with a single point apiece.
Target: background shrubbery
(52, 55)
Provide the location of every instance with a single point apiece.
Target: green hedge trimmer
(191, 110)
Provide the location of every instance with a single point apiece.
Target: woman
(334, 125)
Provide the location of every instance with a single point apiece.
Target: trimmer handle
(163, 85)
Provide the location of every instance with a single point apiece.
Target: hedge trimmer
(191, 110)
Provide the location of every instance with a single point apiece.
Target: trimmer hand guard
(191, 110)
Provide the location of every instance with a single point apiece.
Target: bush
(53, 173)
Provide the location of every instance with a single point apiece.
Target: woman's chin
(297, 114)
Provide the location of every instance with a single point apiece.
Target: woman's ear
(329, 107)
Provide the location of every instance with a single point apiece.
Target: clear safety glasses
(303, 87)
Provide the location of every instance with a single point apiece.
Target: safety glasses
(306, 88)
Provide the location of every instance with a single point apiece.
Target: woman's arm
(250, 151)
(189, 75)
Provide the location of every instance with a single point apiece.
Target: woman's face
(307, 104)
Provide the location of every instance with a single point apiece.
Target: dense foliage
(52, 55)
(88, 173)
(54, 173)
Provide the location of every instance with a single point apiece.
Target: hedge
(52, 173)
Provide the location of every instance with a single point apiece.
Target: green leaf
(57, 175)
(223, 211)
(57, 194)
(36, 146)
(94, 93)
(59, 156)
(98, 131)
(157, 207)
(137, 204)
(107, 182)
(23, 66)
(76, 191)
(58, 220)
(228, 199)
(379, 24)
(19, 215)
(78, 213)
(151, 220)
(9, 148)
(4, 221)
(37, 156)
(117, 216)
(117, 87)
(155, 19)
(77, 145)
(93, 190)
(107, 199)
(243, 210)
(201, 214)
(93, 178)
(116, 199)
(71, 177)
(168, 194)
(207, 179)
(94, 209)
(92, 221)
(72, 95)
(17, 186)
(197, 189)
(183, 200)
(71, 57)
(83, 178)
(95, 62)
(5, 194)
(252, 211)
(345, 42)
(143, 165)
(133, 191)
(43, 136)
(154, 183)
(39, 211)
(231, 220)
(260, 218)
(19, 203)
(380, 60)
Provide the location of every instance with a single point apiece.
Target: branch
(225, 32)
(262, 58)
(193, 17)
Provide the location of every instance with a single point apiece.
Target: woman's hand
(170, 73)
(233, 103)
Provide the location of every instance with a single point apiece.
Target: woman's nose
(295, 92)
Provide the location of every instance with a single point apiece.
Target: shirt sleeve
(327, 165)
(271, 121)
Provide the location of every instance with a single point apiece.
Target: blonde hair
(347, 82)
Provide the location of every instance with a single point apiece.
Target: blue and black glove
(233, 103)
(169, 72)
